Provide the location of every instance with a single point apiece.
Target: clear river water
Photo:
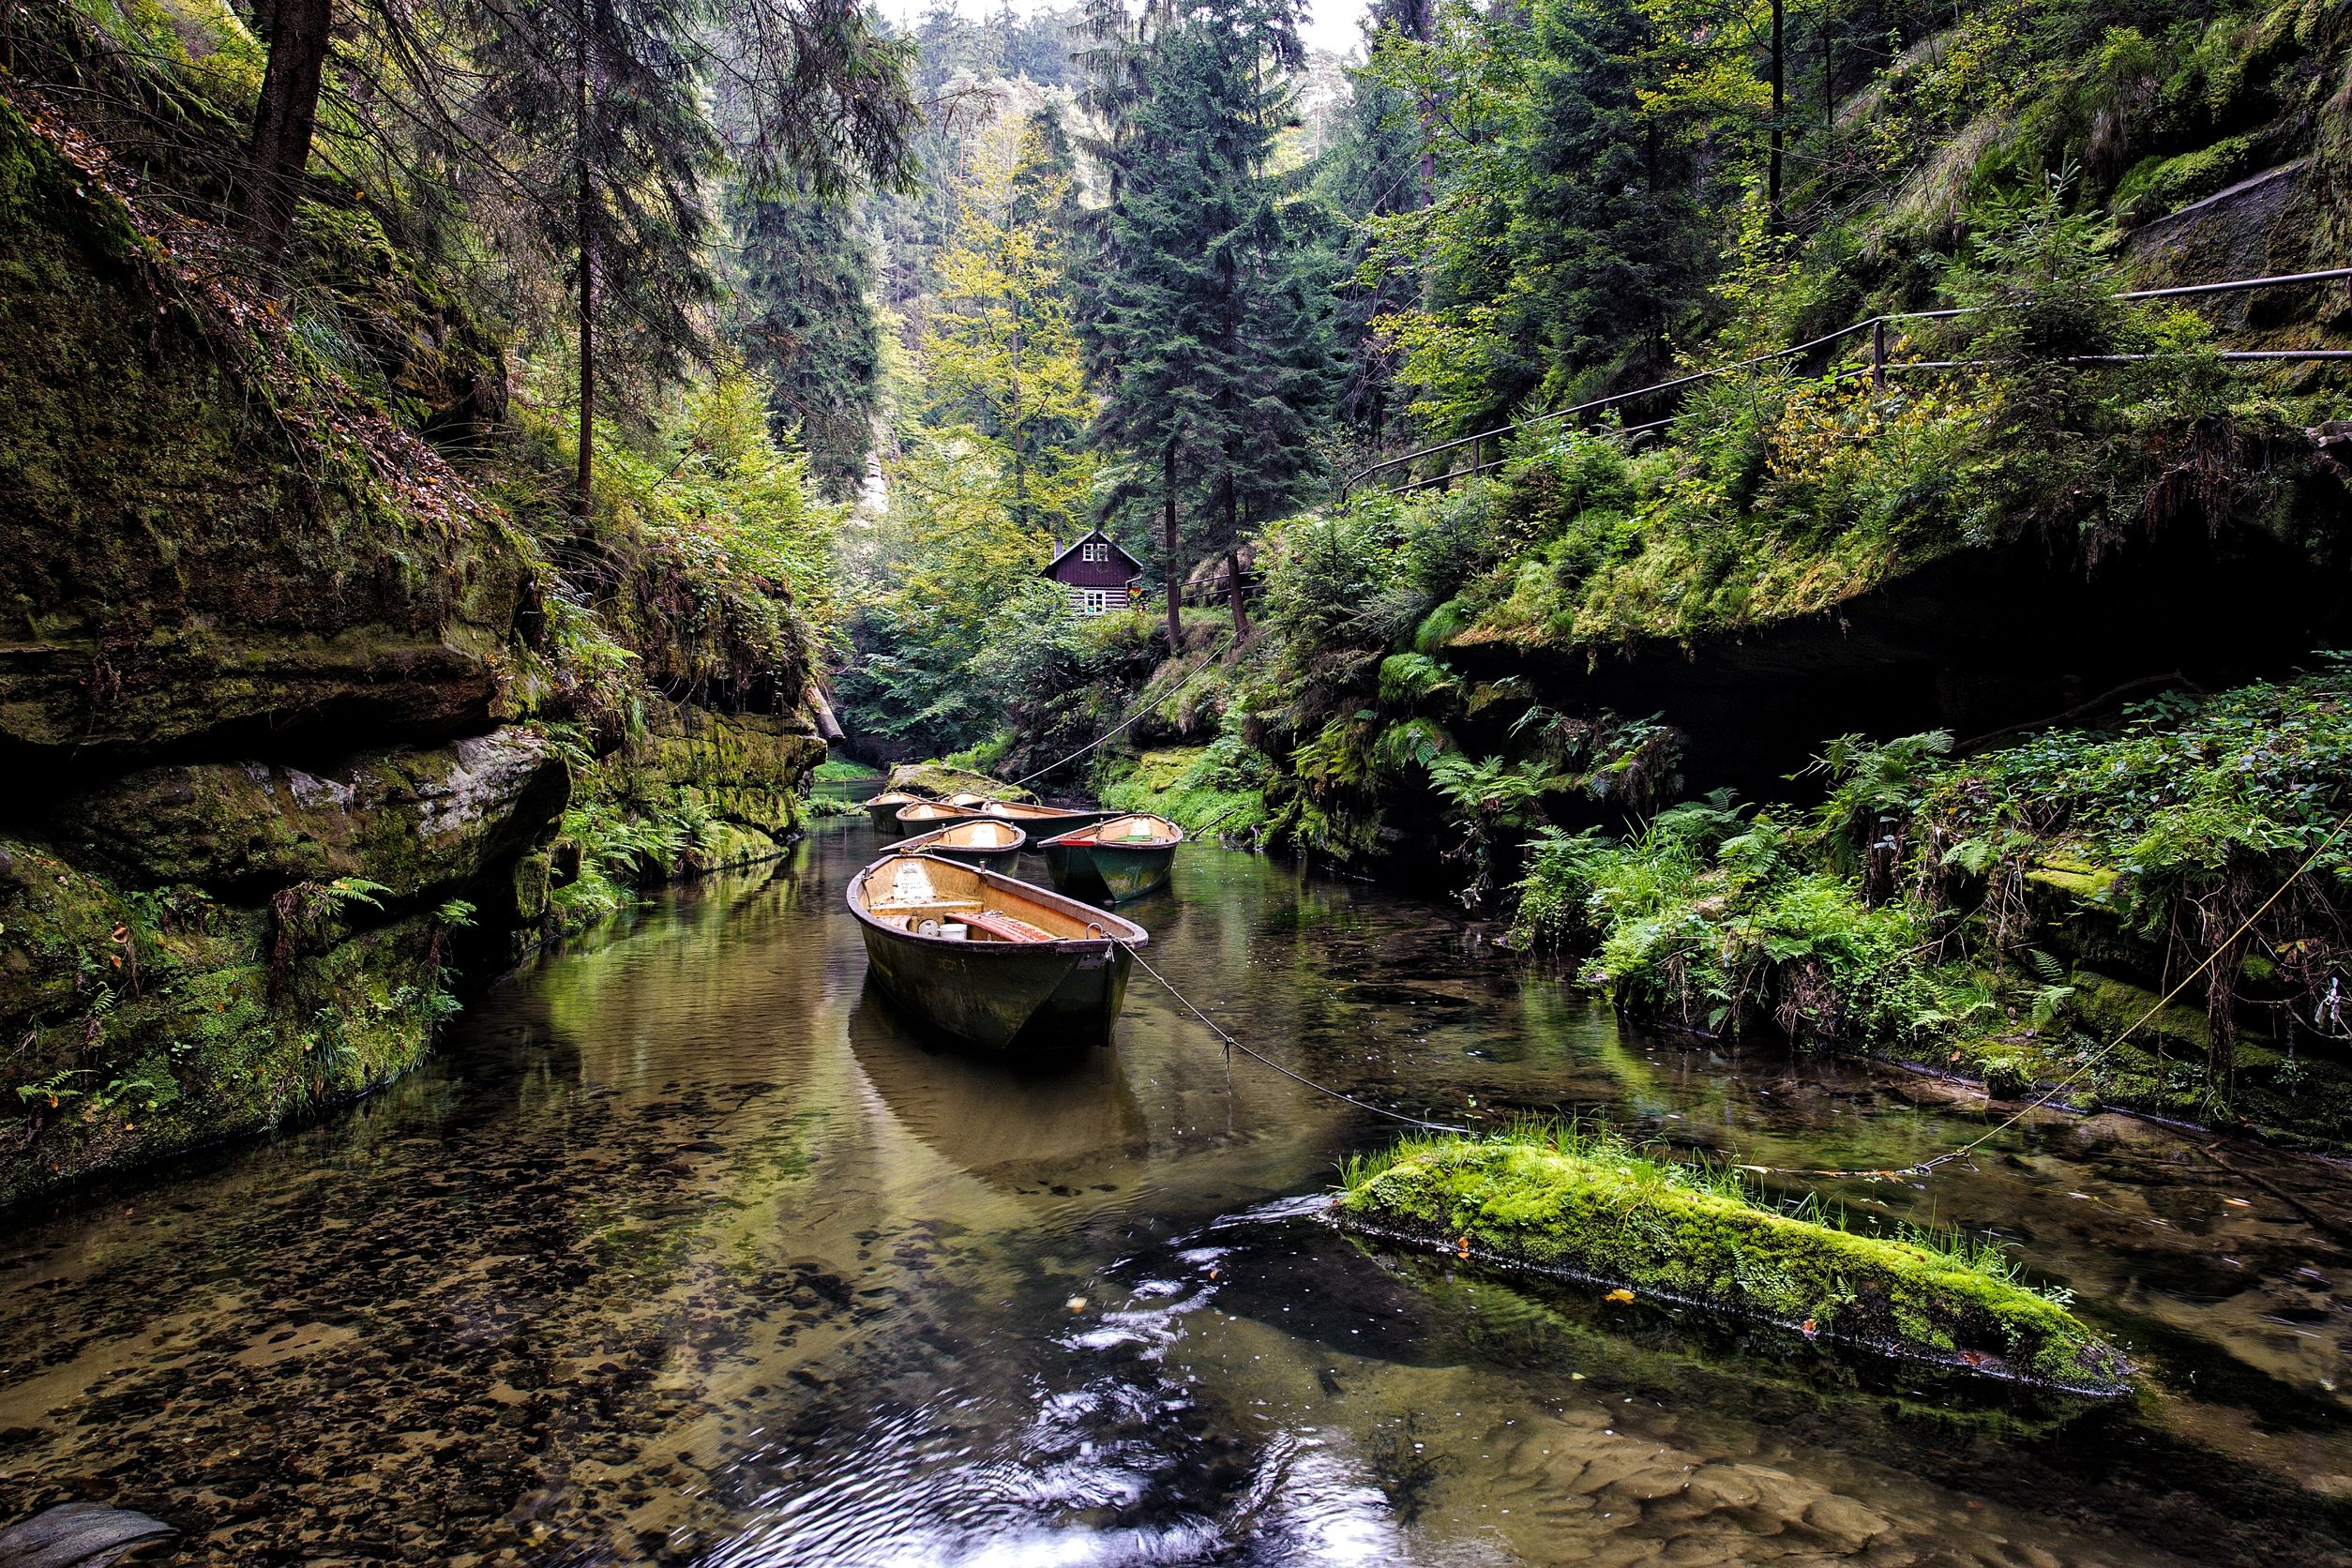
(684, 1249)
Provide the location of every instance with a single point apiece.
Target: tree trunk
(1780, 104)
(283, 121)
(1828, 77)
(1234, 566)
(1168, 532)
(585, 483)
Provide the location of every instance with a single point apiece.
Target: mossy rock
(939, 781)
(407, 819)
(2067, 874)
(2110, 1006)
(181, 562)
(744, 772)
(147, 1025)
(1618, 1219)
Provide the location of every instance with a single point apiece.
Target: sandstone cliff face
(744, 771)
(274, 698)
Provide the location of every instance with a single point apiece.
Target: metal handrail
(1876, 326)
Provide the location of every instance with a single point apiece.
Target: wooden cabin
(1098, 576)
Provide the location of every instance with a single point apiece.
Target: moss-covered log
(1592, 1209)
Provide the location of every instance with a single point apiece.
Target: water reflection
(688, 1250)
(1021, 1129)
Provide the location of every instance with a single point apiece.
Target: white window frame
(1098, 550)
(1093, 601)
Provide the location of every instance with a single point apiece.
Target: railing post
(1878, 354)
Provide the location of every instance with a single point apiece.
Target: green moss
(1202, 787)
(938, 781)
(150, 1021)
(1592, 1209)
(2156, 186)
(410, 819)
(2070, 875)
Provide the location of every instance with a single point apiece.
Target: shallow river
(683, 1250)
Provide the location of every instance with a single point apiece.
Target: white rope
(1140, 710)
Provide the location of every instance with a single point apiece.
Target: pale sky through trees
(1331, 25)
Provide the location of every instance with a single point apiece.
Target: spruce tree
(804, 321)
(1214, 344)
(620, 115)
(1381, 164)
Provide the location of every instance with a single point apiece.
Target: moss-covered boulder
(1595, 1209)
(184, 550)
(938, 780)
(146, 1021)
(408, 819)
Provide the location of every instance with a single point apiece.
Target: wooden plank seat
(1004, 927)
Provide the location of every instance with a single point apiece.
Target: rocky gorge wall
(277, 702)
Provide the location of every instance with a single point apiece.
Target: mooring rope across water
(1922, 1168)
(1928, 1167)
(1231, 1045)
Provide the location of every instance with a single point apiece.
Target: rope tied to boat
(1928, 1167)
(1232, 1045)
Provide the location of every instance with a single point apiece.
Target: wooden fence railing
(1485, 446)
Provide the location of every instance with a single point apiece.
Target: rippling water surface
(685, 1250)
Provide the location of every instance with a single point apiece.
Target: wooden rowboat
(998, 964)
(923, 815)
(884, 808)
(1048, 819)
(993, 846)
(1120, 859)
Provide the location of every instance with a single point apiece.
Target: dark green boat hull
(1110, 871)
(1025, 1003)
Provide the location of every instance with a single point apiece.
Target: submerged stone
(78, 1535)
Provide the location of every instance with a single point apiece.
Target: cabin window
(1096, 551)
(1093, 601)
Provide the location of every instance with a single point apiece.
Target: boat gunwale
(1060, 902)
(949, 816)
(1084, 837)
